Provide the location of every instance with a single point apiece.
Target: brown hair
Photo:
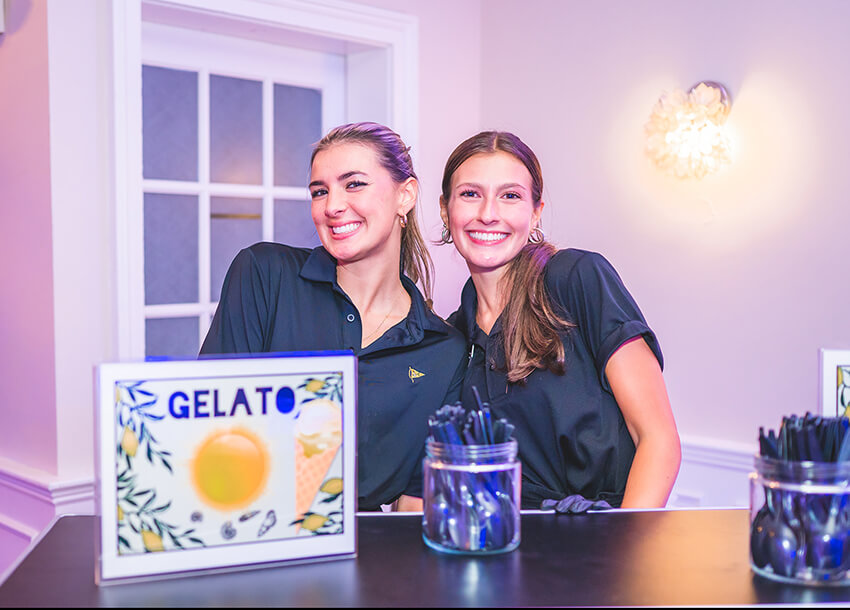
(530, 321)
(394, 156)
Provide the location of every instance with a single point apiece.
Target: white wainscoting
(29, 499)
(714, 473)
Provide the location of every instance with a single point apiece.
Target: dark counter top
(675, 557)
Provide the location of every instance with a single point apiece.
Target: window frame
(381, 51)
(205, 54)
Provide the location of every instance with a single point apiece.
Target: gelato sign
(196, 458)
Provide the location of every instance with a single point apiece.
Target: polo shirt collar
(420, 314)
(320, 266)
(466, 321)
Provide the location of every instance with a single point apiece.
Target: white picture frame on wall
(834, 385)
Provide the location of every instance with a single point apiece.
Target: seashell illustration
(249, 515)
(227, 530)
(268, 522)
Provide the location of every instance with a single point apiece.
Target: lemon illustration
(117, 395)
(314, 385)
(332, 486)
(313, 522)
(840, 377)
(120, 513)
(152, 541)
(129, 442)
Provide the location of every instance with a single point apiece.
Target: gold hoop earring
(446, 235)
(402, 220)
(536, 236)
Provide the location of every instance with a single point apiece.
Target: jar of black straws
(800, 502)
(472, 478)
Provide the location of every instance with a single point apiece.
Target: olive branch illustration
(133, 406)
(843, 391)
(331, 523)
(330, 387)
(137, 508)
(138, 511)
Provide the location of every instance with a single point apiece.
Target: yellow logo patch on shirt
(414, 374)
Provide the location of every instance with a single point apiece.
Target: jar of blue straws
(472, 479)
(800, 502)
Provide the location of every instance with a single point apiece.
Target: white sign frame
(834, 391)
(112, 566)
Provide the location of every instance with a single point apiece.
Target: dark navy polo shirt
(277, 298)
(571, 434)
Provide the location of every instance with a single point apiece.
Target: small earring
(536, 236)
(402, 220)
(446, 235)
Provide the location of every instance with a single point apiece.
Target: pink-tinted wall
(27, 395)
(449, 111)
(744, 275)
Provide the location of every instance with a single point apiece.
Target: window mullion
(204, 197)
(268, 159)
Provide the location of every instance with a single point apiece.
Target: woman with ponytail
(557, 345)
(356, 291)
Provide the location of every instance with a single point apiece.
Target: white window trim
(336, 20)
(205, 53)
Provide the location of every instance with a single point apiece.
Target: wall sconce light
(685, 135)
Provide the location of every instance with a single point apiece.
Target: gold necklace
(365, 340)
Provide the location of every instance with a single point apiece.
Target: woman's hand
(635, 378)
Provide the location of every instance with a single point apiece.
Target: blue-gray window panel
(169, 124)
(172, 337)
(236, 130)
(235, 223)
(171, 249)
(293, 224)
(297, 127)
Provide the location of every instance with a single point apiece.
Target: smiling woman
(358, 208)
(349, 294)
(494, 210)
(563, 351)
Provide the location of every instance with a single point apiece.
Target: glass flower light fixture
(685, 135)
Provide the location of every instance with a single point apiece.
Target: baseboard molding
(718, 453)
(17, 529)
(714, 473)
(30, 499)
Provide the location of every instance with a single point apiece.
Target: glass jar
(471, 498)
(800, 521)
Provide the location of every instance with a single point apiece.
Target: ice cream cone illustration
(318, 435)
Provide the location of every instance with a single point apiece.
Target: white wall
(57, 244)
(83, 220)
(741, 274)
(27, 391)
(450, 39)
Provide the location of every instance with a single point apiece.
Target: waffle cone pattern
(309, 475)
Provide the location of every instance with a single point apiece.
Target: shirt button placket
(489, 371)
(350, 331)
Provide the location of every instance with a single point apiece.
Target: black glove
(574, 504)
